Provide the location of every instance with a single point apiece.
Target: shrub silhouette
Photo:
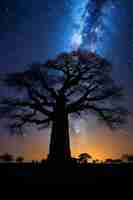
(6, 157)
(20, 159)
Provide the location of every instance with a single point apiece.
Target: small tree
(73, 84)
(127, 158)
(6, 157)
(20, 159)
(109, 161)
(84, 158)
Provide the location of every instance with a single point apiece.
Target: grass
(42, 173)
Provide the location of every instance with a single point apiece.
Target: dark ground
(92, 174)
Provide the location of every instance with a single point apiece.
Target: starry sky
(32, 31)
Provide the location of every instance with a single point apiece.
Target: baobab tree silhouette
(72, 84)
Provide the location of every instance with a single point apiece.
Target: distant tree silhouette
(109, 161)
(124, 157)
(73, 84)
(130, 158)
(20, 159)
(84, 158)
(96, 161)
(6, 157)
(117, 161)
(127, 158)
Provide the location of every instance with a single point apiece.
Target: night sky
(32, 31)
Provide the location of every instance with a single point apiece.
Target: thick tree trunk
(59, 144)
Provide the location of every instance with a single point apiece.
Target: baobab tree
(47, 94)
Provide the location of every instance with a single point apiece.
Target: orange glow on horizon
(100, 145)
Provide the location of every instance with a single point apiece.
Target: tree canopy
(81, 79)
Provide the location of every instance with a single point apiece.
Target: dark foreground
(92, 174)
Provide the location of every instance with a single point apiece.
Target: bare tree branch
(85, 84)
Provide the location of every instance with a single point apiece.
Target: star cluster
(95, 23)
